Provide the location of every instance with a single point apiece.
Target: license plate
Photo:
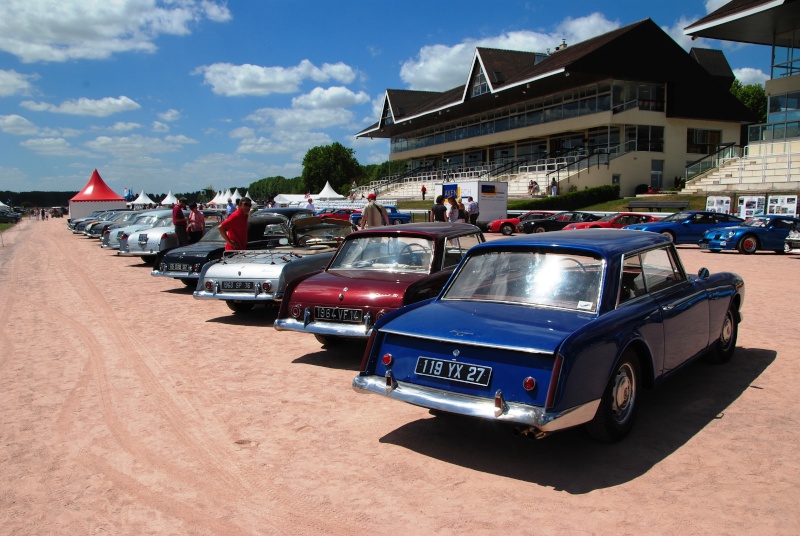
(179, 267)
(451, 370)
(338, 315)
(237, 285)
(143, 239)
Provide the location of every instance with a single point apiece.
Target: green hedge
(569, 201)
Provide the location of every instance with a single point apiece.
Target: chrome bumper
(253, 296)
(175, 275)
(473, 406)
(323, 328)
(136, 253)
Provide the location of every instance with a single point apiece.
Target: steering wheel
(410, 248)
(576, 261)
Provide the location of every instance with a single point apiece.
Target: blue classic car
(395, 217)
(761, 232)
(688, 226)
(550, 331)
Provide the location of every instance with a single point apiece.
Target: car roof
(606, 242)
(286, 211)
(433, 229)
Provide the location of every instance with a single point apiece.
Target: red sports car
(338, 214)
(615, 221)
(374, 272)
(507, 226)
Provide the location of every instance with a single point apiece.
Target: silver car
(147, 243)
(245, 278)
(145, 220)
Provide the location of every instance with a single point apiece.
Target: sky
(180, 95)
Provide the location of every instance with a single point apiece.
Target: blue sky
(162, 95)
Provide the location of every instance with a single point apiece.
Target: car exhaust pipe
(529, 433)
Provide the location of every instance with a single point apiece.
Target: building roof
(515, 77)
(96, 190)
(748, 21)
(715, 63)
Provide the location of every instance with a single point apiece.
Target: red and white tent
(96, 195)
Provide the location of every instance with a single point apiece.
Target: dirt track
(127, 407)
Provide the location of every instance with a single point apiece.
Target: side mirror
(703, 273)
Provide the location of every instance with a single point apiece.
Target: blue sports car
(761, 232)
(550, 331)
(395, 216)
(688, 226)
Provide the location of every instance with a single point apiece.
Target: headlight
(728, 234)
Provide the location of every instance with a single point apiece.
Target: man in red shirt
(234, 228)
(179, 221)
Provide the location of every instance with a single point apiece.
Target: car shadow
(183, 289)
(570, 461)
(258, 316)
(345, 356)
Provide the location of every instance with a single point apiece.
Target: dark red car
(374, 272)
(613, 221)
(338, 213)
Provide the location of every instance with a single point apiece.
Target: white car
(145, 220)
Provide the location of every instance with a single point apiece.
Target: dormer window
(479, 85)
(386, 118)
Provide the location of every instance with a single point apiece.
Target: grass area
(4, 226)
(696, 202)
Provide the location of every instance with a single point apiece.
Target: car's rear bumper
(255, 296)
(338, 329)
(175, 275)
(473, 406)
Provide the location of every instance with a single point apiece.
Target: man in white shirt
(472, 210)
(310, 205)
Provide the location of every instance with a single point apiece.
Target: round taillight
(380, 314)
(209, 285)
(296, 311)
(163, 236)
(387, 359)
(267, 286)
(106, 232)
(196, 267)
(123, 236)
(529, 384)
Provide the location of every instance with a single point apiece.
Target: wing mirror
(703, 273)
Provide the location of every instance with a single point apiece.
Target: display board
(751, 205)
(718, 203)
(782, 204)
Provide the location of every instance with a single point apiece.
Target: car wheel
(669, 235)
(748, 244)
(189, 282)
(726, 344)
(239, 307)
(328, 340)
(397, 222)
(539, 229)
(620, 402)
(507, 229)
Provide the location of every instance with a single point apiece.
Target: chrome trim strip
(236, 296)
(469, 342)
(175, 275)
(323, 328)
(474, 406)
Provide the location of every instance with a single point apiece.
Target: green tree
(271, 186)
(332, 163)
(753, 96)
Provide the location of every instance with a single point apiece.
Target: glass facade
(602, 97)
(783, 111)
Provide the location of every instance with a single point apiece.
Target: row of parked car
(8, 215)
(541, 332)
(712, 231)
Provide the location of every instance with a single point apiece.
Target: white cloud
(83, 106)
(170, 115)
(158, 126)
(46, 30)
(20, 126)
(749, 75)
(253, 80)
(713, 5)
(300, 119)
(333, 97)
(120, 126)
(676, 32)
(283, 142)
(137, 145)
(14, 83)
(242, 132)
(53, 147)
(440, 67)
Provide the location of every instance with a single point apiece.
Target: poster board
(719, 204)
(751, 205)
(782, 204)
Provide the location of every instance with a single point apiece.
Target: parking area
(128, 407)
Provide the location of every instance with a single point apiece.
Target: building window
(701, 141)
(479, 85)
(656, 174)
(615, 178)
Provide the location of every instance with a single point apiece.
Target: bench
(652, 206)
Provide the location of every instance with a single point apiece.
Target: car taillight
(196, 267)
(387, 359)
(529, 383)
(123, 236)
(266, 286)
(296, 311)
(163, 236)
(209, 285)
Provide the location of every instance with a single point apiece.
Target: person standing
(472, 210)
(197, 224)
(179, 221)
(439, 211)
(230, 208)
(553, 187)
(310, 205)
(423, 190)
(452, 209)
(234, 228)
(373, 215)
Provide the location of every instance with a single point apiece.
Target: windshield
(385, 253)
(678, 216)
(164, 222)
(540, 278)
(756, 222)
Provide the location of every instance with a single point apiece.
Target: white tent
(170, 199)
(143, 199)
(247, 194)
(328, 193)
(292, 200)
(216, 199)
(236, 195)
(3, 204)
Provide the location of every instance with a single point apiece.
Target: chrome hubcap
(623, 393)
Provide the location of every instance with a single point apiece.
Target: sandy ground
(127, 407)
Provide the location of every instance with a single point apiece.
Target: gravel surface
(127, 407)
